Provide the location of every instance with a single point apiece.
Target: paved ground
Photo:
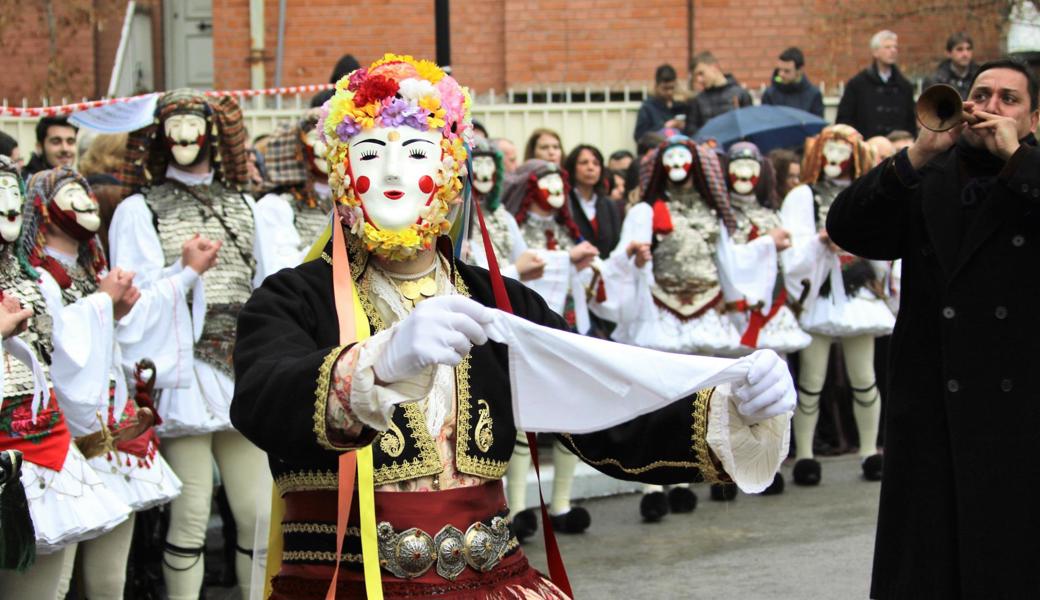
(806, 544)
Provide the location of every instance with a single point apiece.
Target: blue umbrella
(767, 126)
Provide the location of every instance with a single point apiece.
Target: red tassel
(662, 218)
(601, 291)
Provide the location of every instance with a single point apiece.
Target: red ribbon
(759, 320)
(557, 572)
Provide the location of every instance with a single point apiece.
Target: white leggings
(246, 477)
(40, 581)
(564, 464)
(866, 406)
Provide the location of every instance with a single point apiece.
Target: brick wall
(500, 44)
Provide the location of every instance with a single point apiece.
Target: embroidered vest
(498, 231)
(179, 215)
(538, 230)
(686, 278)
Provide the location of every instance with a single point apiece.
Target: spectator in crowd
(55, 145)
(881, 147)
(900, 139)
(598, 219)
(100, 165)
(620, 160)
(788, 169)
(660, 110)
(791, 87)
(720, 92)
(508, 150)
(648, 142)
(959, 68)
(479, 130)
(544, 144)
(344, 66)
(879, 99)
(9, 148)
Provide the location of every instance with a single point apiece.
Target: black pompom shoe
(776, 488)
(524, 524)
(682, 500)
(575, 520)
(653, 506)
(723, 492)
(873, 467)
(807, 472)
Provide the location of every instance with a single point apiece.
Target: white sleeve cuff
(374, 404)
(188, 277)
(750, 455)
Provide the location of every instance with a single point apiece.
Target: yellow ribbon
(365, 476)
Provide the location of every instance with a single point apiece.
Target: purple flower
(397, 112)
(347, 129)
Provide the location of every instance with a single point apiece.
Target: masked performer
(840, 298)
(538, 190)
(750, 265)
(190, 166)
(427, 398)
(297, 184)
(514, 257)
(68, 502)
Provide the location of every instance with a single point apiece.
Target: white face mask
(395, 172)
(319, 148)
(11, 202)
(483, 173)
(184, 131)
(551, 188)
(743, 175)
(837, 153)
(72, 197)
(677, 160)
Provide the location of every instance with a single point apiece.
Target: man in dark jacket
(720, 93)
(55, 146)
(879, 99)
(959, 68)
(962, 211)
(659, 111)
(790, 86)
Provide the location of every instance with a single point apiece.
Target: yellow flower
(428, 70)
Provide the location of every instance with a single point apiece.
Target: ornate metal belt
(411, 553)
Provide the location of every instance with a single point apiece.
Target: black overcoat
(957, 517)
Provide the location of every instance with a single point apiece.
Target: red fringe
(662, 218)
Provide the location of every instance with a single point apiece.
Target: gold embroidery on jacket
(321, 398)
(482, 433)
(306, 481)
(391, 441)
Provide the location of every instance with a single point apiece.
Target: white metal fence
(606, 125)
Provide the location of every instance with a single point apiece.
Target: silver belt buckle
(411, 553)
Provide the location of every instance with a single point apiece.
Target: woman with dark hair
(545, 144)
(787, 168)
(597, 217)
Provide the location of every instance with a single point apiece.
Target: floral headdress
(398, 91)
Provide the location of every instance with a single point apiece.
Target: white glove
(440, 331)
(768, 391)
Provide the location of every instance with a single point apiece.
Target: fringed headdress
(709, 180)
(520, 191)
(812, 164)
(147, 155)
(39, 213)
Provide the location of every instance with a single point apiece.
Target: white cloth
(810, 261)
(141, 486)
(194, 397)
(564, 382)
(274, 213)
(70, 505)
(20, 351)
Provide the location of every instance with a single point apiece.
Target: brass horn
(940, 108)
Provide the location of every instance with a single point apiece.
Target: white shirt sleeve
(277, 242)
(83, 355)
(160, 327)
(808, 259)
(747, 271)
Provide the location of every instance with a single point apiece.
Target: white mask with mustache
(11, 203)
